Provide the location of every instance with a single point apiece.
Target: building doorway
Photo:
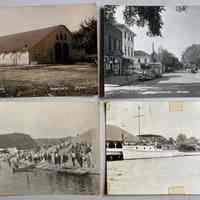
(65, 53)
(58, 53)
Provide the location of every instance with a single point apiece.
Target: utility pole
(153, 49)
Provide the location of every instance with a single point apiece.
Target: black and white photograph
(152, 148)
(49, 148)
(151, 51)
(48, 50)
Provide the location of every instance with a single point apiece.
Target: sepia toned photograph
(152, 148)
(48, 50)
(49, 148)
(151, 51)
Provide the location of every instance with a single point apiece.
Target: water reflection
(45, 182)
(154, 176)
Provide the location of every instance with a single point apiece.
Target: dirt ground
(48, 80)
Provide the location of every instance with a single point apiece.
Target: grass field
(48, 80)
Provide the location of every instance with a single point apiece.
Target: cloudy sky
(26, 18)
(180, 30)
(157, 118)
(48, 119)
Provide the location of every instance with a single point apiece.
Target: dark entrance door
(58, 53)
(65, 53)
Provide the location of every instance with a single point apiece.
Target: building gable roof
(25, 40)
(114, 133)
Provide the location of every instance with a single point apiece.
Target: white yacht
(139, 151)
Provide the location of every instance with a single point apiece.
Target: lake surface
(154, 176)
(44, 182)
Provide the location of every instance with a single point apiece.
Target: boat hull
(132, 153)
(73, 171)
(24, 169)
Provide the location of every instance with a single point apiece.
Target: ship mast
(139, 121)
(139, 116)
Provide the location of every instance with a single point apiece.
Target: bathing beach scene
(51, 150)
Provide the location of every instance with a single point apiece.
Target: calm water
(43, 182)
(154, 176)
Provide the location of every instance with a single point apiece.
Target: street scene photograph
(51, 149)
(152, 148)
(151, 51)
(48, 50)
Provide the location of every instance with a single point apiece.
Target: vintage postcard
(49, 148)
(152, 148)
(151, 51)
(48, 51)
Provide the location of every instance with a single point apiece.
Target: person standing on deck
(73, 155)
(53, 158)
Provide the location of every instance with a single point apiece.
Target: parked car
(146, 76)
(194, 70)
(157, 68)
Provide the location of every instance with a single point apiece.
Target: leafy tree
(192, 140)
(171, 141)
(187, 148)
(192, 55)
(109, 12)
(145, 15)
(139, 16)
(169, 60)
(86, 36)
(181, 139)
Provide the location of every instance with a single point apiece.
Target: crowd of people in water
(77, 155)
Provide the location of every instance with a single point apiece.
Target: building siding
(112, 49)
(16, 58)
(127, 42)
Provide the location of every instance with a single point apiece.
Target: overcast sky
(48, 119)
(21, 19)
(180, 30)
(157, 118)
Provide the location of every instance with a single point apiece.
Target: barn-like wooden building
(52, 45)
